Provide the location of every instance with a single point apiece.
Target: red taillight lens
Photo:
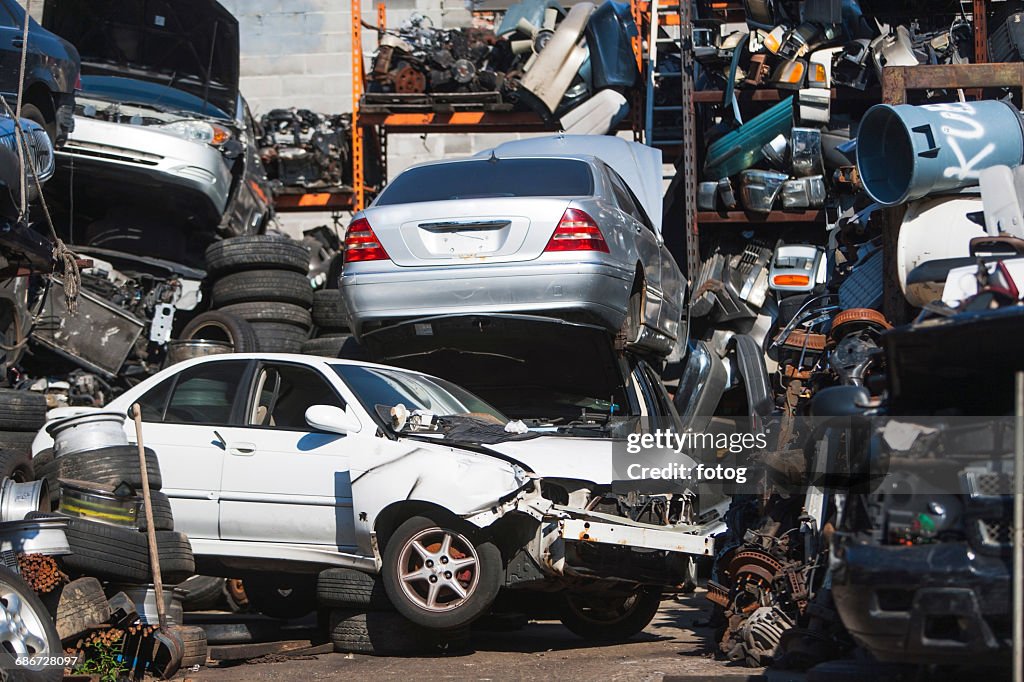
(577, 231)
(78, 82)
(361, 244)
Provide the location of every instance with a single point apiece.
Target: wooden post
(147, 503)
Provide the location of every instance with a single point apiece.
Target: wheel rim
(601, 612)
(438, 569)
(21, 628)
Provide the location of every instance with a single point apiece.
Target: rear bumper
(925, 604)
(577, 291)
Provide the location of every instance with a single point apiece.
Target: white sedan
(295, 462)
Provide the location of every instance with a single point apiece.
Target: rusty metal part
(236, 591)
(801, 340)
(756, 563)
(407, 80)
(856, 319)
(41, 572)
(717, 593)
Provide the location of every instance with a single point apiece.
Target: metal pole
(1018, 532)
(359, 196)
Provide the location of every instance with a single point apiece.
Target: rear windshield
(490, 178)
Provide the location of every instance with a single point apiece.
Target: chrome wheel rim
(438, 569)
(21, 628)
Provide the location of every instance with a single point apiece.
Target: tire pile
(332, 337)
(259, 295)
(110, 556)
(363, 620)
(22, 414)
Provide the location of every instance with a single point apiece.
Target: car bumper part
(924, 604)
(591, 292)
(130, 156)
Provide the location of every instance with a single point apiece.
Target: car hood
(191, 45)
(638, 164)
(584, 459)
(492, 354)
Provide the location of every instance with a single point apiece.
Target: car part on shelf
(935, 234)
(796, 267)
(742, 148)
(551, 73)
(807, 192)
(759, 189)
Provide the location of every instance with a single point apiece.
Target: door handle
(17, 42)
(242, 449)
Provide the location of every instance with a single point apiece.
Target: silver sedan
(565, 226)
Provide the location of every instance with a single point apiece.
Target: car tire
(193, 639)
(16, 464)
(122, 554)
(347, 588)
(324, 346)
(163, 519)
(106, 467)
(17, 440)
(481, 577)
(280, 313)
(329, 310)
(35, 114)
(201, 593)
(34, 624)
(281, 286)
(602, 619)
(22, 410)
(216, 325)
(634, 321)
(82, 607)
(280, 338)
(386, 633)
(256, 252)
(285, 597)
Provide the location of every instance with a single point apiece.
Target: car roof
(291, 357)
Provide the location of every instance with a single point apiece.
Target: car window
(378, 386)
(284, 392)
(552, 177)
(6, 19)
(626, 200)
(205, 394)
(153, 403)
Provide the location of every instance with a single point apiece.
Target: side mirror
(332, 419)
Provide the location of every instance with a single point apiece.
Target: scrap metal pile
(540, 57)
(789, 329)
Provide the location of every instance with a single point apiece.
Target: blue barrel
(907, 152)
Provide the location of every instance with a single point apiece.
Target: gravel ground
(675, 644)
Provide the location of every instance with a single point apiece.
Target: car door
(284, 482)
(183, 419)
(647, 244)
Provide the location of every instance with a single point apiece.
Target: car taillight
(577, 231)
(361, 244)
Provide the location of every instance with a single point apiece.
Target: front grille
(985, 483)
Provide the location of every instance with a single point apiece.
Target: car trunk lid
(460, 232)
(518, 363)
(191, 45)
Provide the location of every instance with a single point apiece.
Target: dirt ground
(677, 645)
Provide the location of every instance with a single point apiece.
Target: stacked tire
(260, 281)
(332, 337)
(362, 619)
(22, 414)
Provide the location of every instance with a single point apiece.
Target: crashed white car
(293, 463)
